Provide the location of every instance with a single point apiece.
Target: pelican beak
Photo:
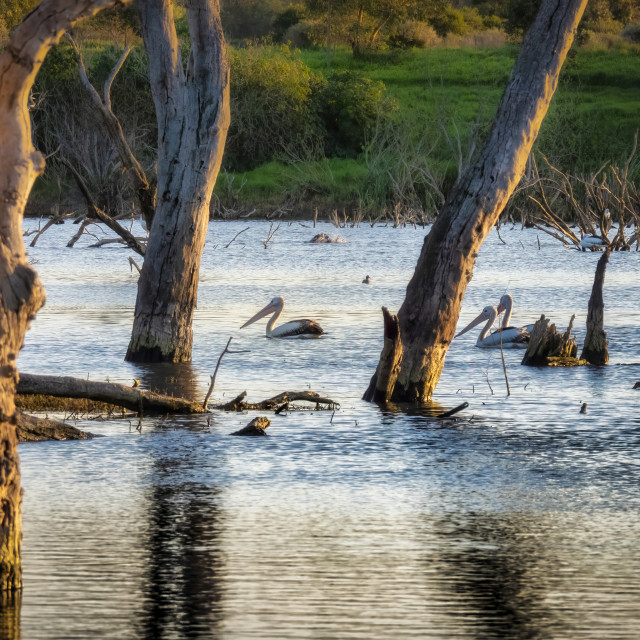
(473, 323)
(501, 308)
(270, 308)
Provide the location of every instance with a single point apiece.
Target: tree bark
(192, 109)
(21, 293)
(434, 295)
(595, 349)
(117, 394)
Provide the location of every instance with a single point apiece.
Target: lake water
(520, 519)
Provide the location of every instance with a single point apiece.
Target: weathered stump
(384, 379)
(595, 349)
(549, 348)
(257, 427)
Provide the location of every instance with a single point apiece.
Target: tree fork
(431, 308)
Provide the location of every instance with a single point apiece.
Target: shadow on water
(10, 604)
(177, 379)
(181, 594)
(497, 568)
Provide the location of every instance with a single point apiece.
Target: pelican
(498, 338)
(294, 329)
(506, 305)
(592, 243)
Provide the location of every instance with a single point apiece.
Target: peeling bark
(192, 108)
(595, 349)
(434, 295)
(21, 293)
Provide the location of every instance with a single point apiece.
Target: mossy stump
(549, 348)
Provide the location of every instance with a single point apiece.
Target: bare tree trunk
(595, 343)
(21, 293)
(434, 295)
(192, 108)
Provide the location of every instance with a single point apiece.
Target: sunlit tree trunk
(21, 293)
(192, 107)
(434, 295)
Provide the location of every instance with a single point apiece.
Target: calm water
(518, 520)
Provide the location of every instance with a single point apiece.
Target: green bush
(272, 108)
(350, 106)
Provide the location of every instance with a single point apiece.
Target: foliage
(13, 12)
(272, 107)
(350, 106)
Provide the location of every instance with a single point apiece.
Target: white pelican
(294, 329)
(498, 338)
(506, 305)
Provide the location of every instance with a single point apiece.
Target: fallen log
(547, 347)
(32, 429)
(135, 399)
(276, 403)
(257, 427)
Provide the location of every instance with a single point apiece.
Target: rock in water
(257, 427)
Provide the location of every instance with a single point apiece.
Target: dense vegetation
(320, 126)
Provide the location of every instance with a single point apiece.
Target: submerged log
(32, 429)
(118, 394)
(277, 403)
(549, 348)
(595, 349)
(384, 379)
(257, 427)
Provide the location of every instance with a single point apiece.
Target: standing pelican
(506, 305)
(294, 329)
(508, 339)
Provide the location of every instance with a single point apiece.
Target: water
(518, 520)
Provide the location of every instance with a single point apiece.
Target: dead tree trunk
(21, 293)
(389, 366)
(192, 107)
(595, 349)
(434, 295)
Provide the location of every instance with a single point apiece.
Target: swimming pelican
(506, 305)
(495, 339)
(592, 242)
(294, 329)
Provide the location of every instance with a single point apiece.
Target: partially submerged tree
(192, 108)
(21, 293)
(428, 316)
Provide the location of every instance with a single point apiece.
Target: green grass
(591, 120)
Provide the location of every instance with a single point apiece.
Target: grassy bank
(592, 120)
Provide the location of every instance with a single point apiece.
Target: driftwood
(257, 427)
(549, 348)
(637, 385)
(384, 379)
(595, 346)
(32, 429)
(146, 402)
(277, 403)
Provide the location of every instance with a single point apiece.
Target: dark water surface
(518, 520)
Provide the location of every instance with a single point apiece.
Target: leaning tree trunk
(434, 295)
(21, 293)
(192, 108)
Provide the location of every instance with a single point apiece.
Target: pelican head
(506, 302)
(276, 305)
(488, 313)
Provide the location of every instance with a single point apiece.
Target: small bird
(367, 280)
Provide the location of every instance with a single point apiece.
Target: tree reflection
(10, 605)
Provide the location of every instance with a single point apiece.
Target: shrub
(350, 106)
(272, 108)
(631, 33)
(307, 34)
(413, 33)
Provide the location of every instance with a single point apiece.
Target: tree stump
(595, 349)
(548, 348)
(384, 379)
(257, 427)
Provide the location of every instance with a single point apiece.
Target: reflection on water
(516, 519)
